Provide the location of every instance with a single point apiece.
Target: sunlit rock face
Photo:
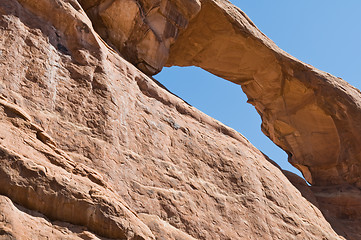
(141, 30)
(312, 115)
(92, 148)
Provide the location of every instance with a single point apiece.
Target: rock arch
(311, 114)
(39, 170)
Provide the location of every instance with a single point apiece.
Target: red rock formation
(141, 30)
(90, 147)
(312, 115)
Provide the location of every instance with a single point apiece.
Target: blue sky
(325, 34)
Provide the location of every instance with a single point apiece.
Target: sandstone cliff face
(92, 148)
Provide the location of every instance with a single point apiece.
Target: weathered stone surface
(312, 115)
(91, 145)
(141, 30)
(20, 223)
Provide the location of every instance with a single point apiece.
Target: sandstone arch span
(312, 115)
(116, 154)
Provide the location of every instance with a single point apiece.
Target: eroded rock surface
(90, 147)
(141, 30)
(18, 222)
(312, 115)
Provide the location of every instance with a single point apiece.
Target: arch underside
(310, 114)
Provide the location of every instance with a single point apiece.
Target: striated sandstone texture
(92, 148)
